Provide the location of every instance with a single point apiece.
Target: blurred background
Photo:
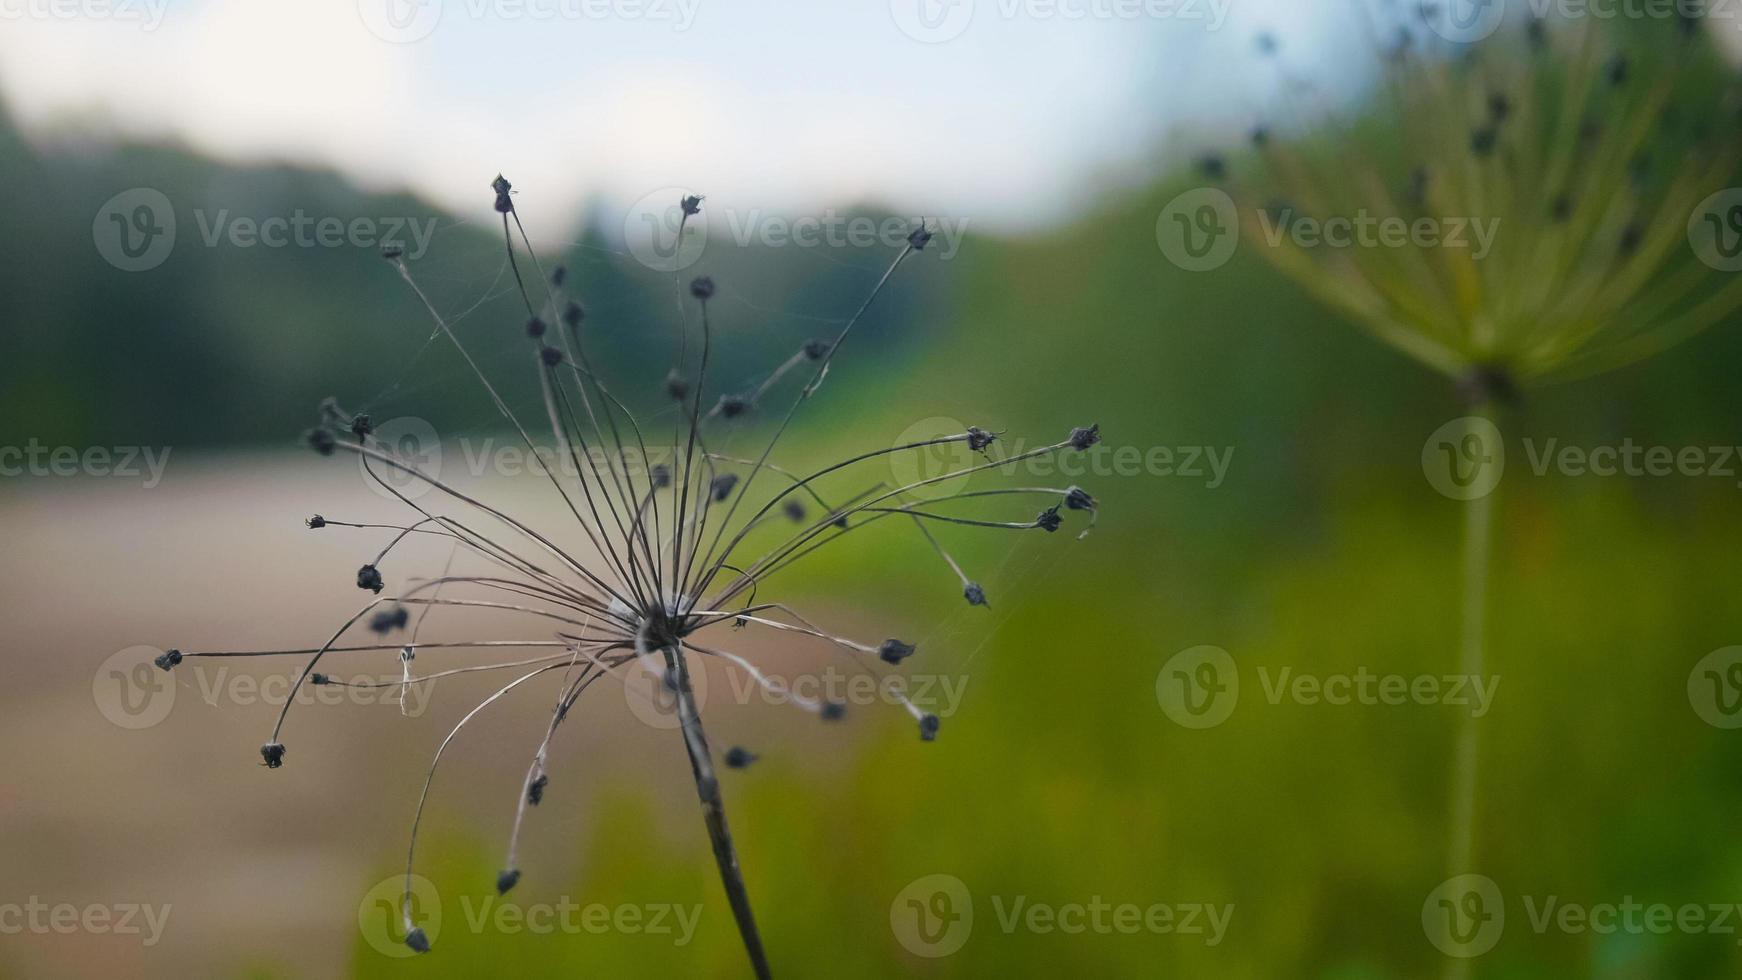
(197, 195)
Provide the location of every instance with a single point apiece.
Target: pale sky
(1011, 112)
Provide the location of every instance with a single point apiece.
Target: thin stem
(1466, 771)
(714, 812)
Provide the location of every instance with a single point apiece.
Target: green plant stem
(1466, 766)
(714, 813)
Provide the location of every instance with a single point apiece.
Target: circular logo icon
(400, 21)
(414, 443)
(385, 909)
(1198, 687)
(1199, 230)
(130, 690)
(932, 21)
(653, 700)
(1715, 230)
(135, 230)
(1715, 688)
(1464, 916)
(1464, 21)
(658, 235)
(922, 463)
(932, 916)
(1465, 458)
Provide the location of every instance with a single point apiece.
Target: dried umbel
(1576, 153)
(653, 560)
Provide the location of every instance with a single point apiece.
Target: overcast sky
(1011, 111)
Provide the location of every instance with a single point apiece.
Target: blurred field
(1060, 780)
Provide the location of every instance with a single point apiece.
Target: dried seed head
(361, 425)
(928, 728)
(392, 252)
(1049, 519)
(794, 510)
(677, 386)
(558, 275)
(167, 660)
(894, 651)
(702, 288)
(418, 942)
(321, 441)
(1076, 498)
(816, 348)
(535, 328)
(551, 356)
(692, 204)
(573, 314)
(389, 620)
(979, 439)
(369, 577)
(273, 753)
(1213, 166)
(506, 880)
(501, 186)
(722, 486)
(535, 790)
(919, 238)
(975, 595)
(834, 711)
(739, 757)
(732, 406)
(1082, 437)
(317, 678)
(316, 522)
(659, 475)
